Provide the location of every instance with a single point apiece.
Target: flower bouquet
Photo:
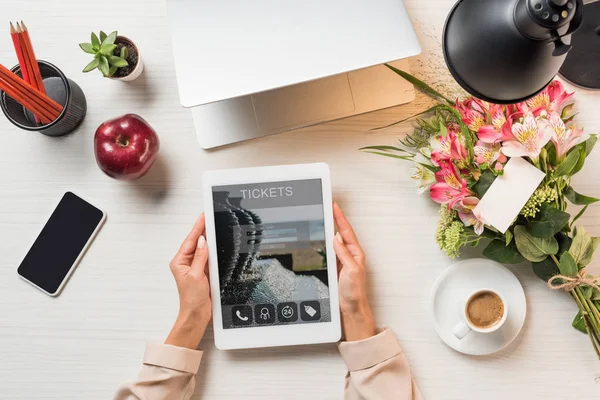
(460, 150)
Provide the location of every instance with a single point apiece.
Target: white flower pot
(139, 67)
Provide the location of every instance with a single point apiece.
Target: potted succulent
(116, 57)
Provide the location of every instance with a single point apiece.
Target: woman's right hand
(357, 318)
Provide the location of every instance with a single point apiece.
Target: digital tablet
(273, 271)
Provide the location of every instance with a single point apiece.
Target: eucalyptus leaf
(485, 181)
(577, 198)
(579, 323)
(117, 61)
(564, 242)
(566, 167)
(545, 269)
(87, 47)
(110, 39)
(419, 84)
(95, 41)
(583, 247)
(92, 65)
(567, 265)
(102, 36)
(498, 251)
(103, 66)
(533, 248)
(548, 221)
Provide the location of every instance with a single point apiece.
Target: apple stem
(122, 141)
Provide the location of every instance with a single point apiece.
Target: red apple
(126, 147)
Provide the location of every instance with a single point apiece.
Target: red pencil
(32, 59)
(20, 58)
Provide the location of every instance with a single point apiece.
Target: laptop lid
(231, 48)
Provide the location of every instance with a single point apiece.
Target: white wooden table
(83, 344)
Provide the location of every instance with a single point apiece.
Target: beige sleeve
(168, 373)
(377, 370)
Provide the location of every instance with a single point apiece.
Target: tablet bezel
(279, 335)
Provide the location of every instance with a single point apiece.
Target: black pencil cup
(62, 90)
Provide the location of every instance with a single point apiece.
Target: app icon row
(267, 313)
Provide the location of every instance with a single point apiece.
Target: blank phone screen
(60, 243)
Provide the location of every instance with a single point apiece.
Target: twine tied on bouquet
(570, 283)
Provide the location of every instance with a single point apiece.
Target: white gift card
(508, 194)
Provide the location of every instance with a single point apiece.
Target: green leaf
(551, 149)
(567, 265)
(533, 248)
(419, 84)
(485, 181)
(548, 221)
(117, 61)
(579, 214)
(110, 39)
(385, 148)
(589, 144)
(564, 243)
(577, 198)
(545, 269)
(92, 65)
(587, 292)
(102, 36)
(580, 162)
(579, 323)
(508, 236)
(103, 66)
(107, 49)
(567, 166)
(112, 70)
(498, 251)
(583, 247)
(431, 109)
(95, 42)
(87, 47)
(124, 53)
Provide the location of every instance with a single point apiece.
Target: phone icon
(241, 315)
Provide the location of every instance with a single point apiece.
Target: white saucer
(450, 292)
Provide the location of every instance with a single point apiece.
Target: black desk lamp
(506, 51)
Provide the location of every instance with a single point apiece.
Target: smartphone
(61, 244)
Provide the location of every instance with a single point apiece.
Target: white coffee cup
(465, 325)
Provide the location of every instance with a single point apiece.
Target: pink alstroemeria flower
(550, 99)
(500, 129)
(528, 138)
(466, 213)
(565, 139)
(450, 187)
(440, 146)
(449, 147)
(486, 153)
(473, 113)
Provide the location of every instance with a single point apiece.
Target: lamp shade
(506, 51)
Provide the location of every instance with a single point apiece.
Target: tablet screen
(271, 253)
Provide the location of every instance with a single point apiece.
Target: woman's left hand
(190, 270)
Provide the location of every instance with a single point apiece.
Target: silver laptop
(252, 68)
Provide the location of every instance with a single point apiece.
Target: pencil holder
(62, 90)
